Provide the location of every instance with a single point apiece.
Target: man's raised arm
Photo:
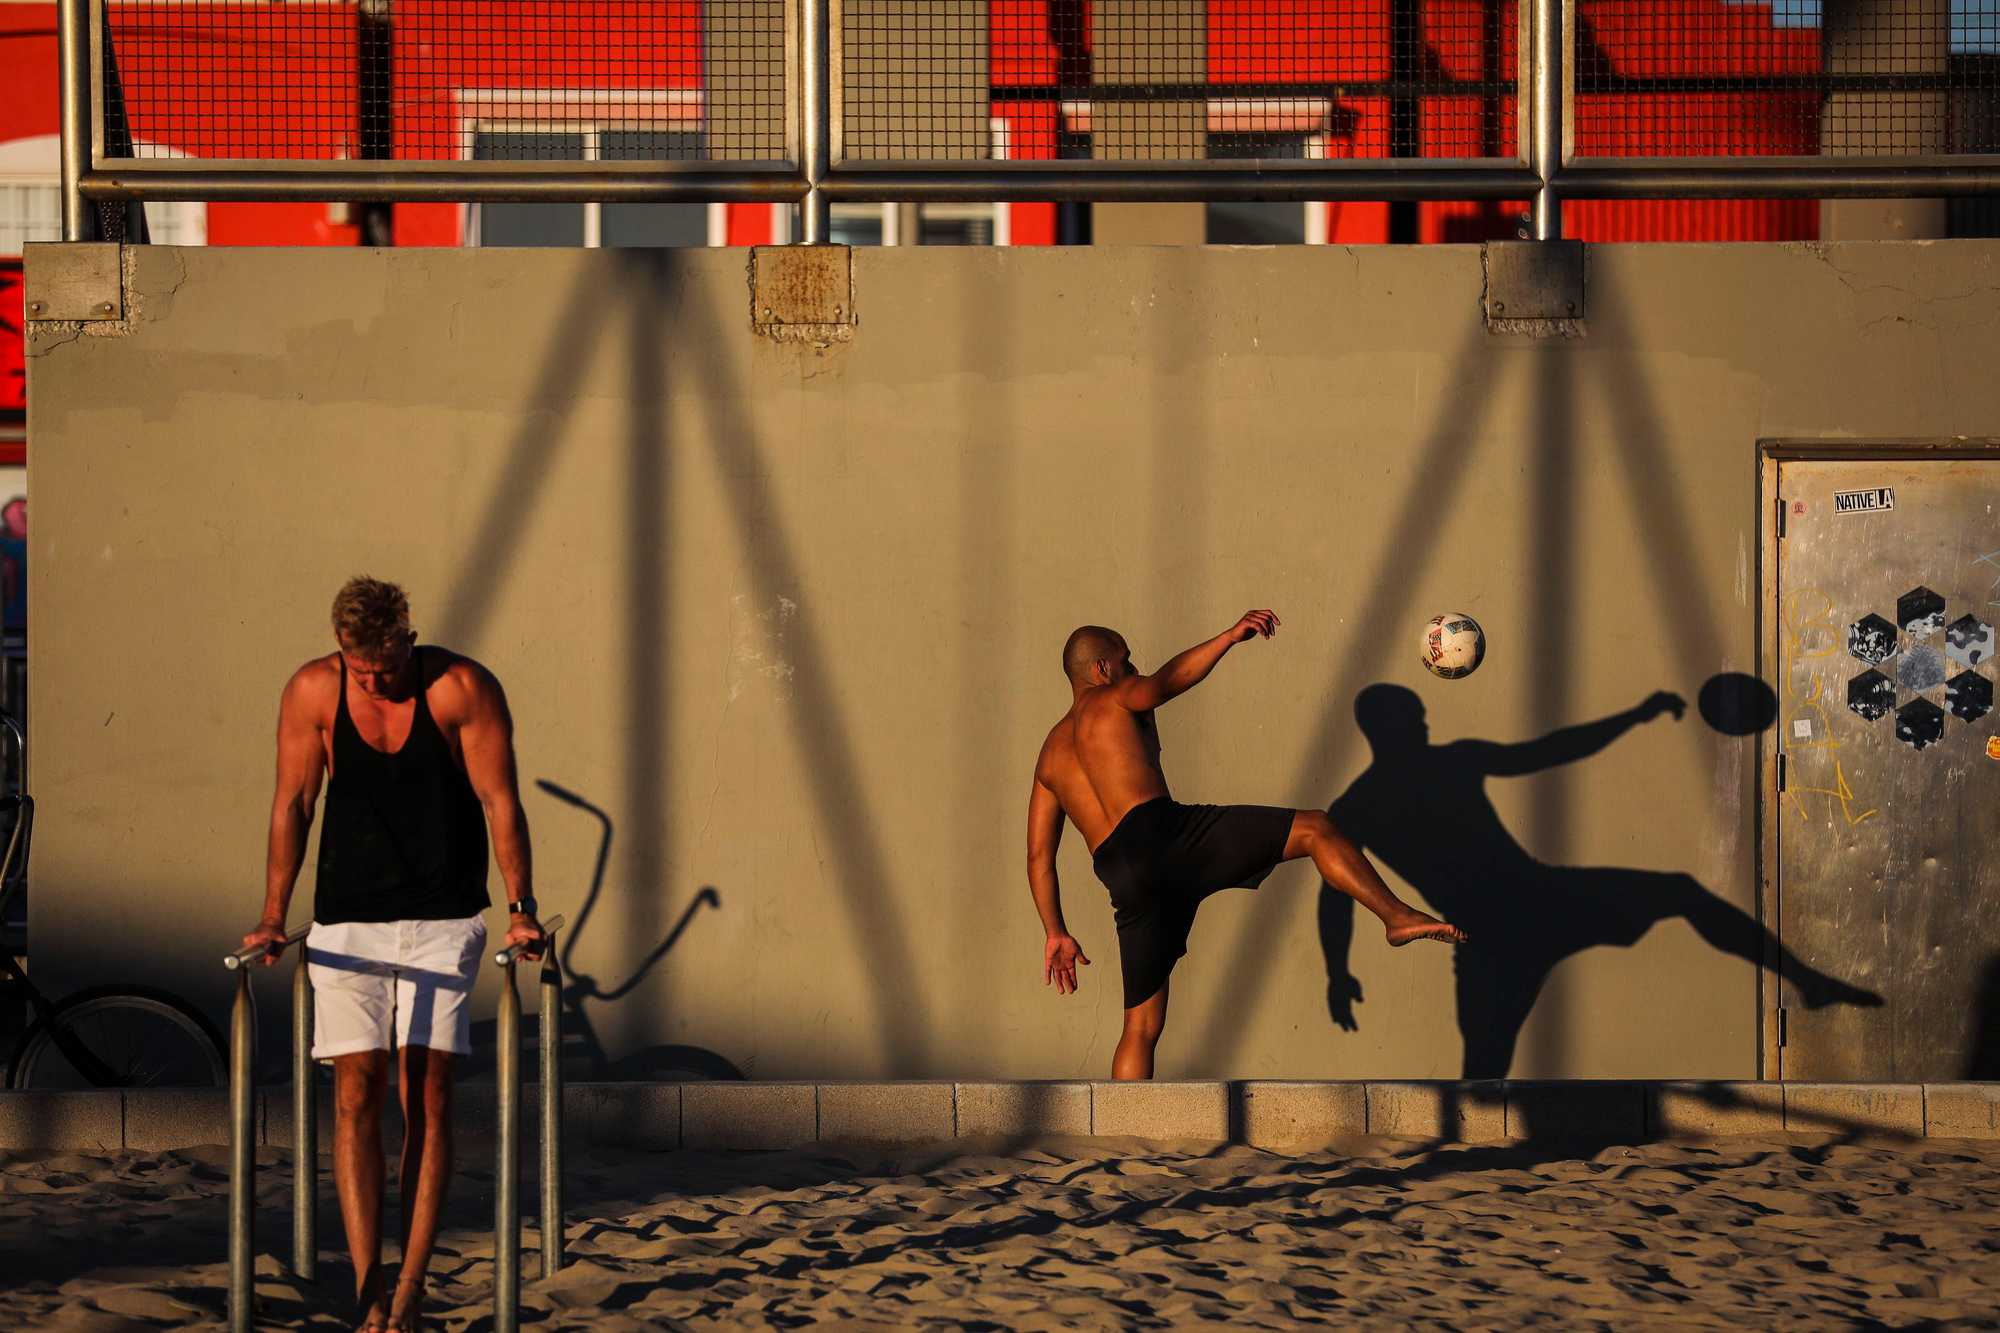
(1060, 951)
(1185, 670)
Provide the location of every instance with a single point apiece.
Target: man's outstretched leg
(1342, 865)
(1143, 1025)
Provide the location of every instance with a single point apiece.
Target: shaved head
(1088, 645)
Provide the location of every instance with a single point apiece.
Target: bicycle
(102, 1036)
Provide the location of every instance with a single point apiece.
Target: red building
(472, 79)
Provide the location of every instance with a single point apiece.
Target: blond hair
(371, 616)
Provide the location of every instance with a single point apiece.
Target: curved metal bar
(507, 1169)
(305, 1130)
(242, 1159)
(243, 957)
(511, 954)
(552, 1113)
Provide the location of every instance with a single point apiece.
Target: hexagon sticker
(1919, 723)
(1920, 612)
(1968, 641)
(1920, 668)
(1969, 696)
(1871, 694)
(1872, 639)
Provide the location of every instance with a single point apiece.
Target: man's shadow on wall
(1422, 810)
(672, 1062)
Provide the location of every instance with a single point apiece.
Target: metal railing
(815, 101)
(305, 1131)
(507, 1177)
(243, 1131)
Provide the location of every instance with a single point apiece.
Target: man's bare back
(1099, 769)
(1101, 760)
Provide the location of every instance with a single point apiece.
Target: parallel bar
(73, 96)
(243, 957)
(305, 1131)
(552, 1100)
(509, 955)
(1665, 179)
(1546, 90)
(507, 1174)
(242, 1159)
(813, 109)
(453, 186)
(1189, 182)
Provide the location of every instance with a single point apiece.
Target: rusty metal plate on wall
(1534, 280)
(1888, 848)
(74, 281)
(802, 293)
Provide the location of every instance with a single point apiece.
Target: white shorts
(409, 979)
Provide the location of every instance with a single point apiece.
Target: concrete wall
(789, 616)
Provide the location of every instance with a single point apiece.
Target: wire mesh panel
(421, 80)
(1840, 78)
(1176, 80)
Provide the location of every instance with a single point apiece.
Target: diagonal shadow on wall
(1435, 480)
(483, 569)
(1550, 630)
(842, 810)
(1659, 502)
(655, 284)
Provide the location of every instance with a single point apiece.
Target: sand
(1088, 1233)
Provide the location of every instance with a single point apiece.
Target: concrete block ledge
(1282, 1115)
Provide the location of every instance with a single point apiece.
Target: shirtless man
(419, 748)
(1101, 767)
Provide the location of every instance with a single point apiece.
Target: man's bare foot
(1422, 926)
(369, 1316)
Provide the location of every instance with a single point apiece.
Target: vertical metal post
(305, 1130)
(814, 115)
(1546, 111)
(507, 1175)
(242, 1157)
(73, 96)
(552, 1100)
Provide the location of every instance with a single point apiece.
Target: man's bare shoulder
(461, 685)
(314, 687)
(1099, 701)
(1058, 748)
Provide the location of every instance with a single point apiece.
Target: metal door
(1888, 809)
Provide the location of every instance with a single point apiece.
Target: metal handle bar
(13, 729)
(243, 957)
(512, 953)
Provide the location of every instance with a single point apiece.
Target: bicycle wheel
(142, 1038)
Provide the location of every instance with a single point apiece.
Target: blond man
(416, 750)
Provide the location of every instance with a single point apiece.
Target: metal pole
(814, 112)
(507, 1174)
(1546, 110)
(552, 1100)
(305, 1131)
(73, 96)
(242, 1157)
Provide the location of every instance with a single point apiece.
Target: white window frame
(1002, 130)
(21, 167)
(1311, 118)
(590, 112)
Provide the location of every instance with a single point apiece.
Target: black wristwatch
(525, 907)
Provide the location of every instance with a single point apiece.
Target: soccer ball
(1453, 645)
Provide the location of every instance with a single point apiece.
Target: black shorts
(1163, 859)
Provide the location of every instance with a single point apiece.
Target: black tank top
(405, 835)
